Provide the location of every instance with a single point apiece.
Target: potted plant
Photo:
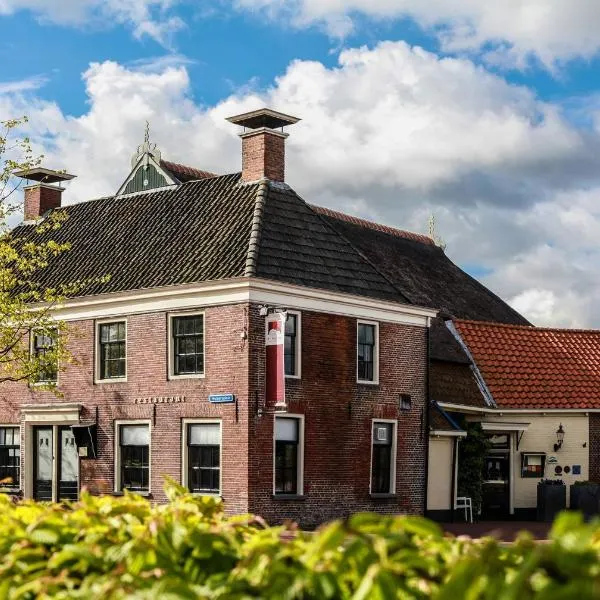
(585, 496)
(551, 499)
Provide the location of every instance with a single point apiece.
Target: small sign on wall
(221, 398)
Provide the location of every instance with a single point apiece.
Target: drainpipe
(453, 487)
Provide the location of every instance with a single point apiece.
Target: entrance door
(496, 478)
(56, 464)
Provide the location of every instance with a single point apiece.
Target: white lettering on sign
(160, 400)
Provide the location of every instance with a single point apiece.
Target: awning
(502, 427)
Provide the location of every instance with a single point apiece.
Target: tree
(25, 306)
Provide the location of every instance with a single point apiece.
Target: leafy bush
(113, 548)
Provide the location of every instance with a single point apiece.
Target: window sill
(45, 384)
(11, 491)
(289, 497)
(142, 494)
(383, 496)
(115, 380)
(293, 377)
(364, 382)
(173, 377)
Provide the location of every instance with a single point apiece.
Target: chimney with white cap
(43, 195)
(263, 147)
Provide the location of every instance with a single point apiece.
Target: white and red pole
(275, 367)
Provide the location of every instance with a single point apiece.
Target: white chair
(464, 502)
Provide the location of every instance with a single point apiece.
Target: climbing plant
(472, 451)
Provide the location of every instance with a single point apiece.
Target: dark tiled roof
(184, 173)
(454, 383)
(299, 247)
(440, 420)
(424, 274)
(194, 232)
(530, 367)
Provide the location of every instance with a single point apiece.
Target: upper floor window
(383, 458)
(187, 345)
(112, 350)
(42, 347)
(10, 457)
(203, 457)
(133, 457)
(288, 455)
(367, 351)
(292, 344)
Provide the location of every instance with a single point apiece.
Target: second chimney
(44, 195)
(263, 147)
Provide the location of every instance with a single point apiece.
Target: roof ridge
(525, 327)
(255, 229)
(315, 210)
(403, 233)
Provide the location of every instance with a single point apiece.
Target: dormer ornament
(145, 150)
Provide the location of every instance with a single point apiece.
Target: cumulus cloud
(515, 29)
(392, 133)
(152, 18)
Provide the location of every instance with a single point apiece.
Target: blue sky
(486, 115)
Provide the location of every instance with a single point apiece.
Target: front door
(496, 478)
(56, 464)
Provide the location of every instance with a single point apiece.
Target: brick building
(170, 376)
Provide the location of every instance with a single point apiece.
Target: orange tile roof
(410, 235)
(534, 367)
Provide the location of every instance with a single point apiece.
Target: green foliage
(472, 452)
(116, 548)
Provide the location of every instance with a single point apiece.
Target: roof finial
(146, 149)
(437, 240)
(147, 133)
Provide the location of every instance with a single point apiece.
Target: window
(288, 455)
(133, 459)
(112, 350)
(10, 457)
(292, 345)
(366, 352)
(187, 345)
(204, 458)
(43, 345)
(383, 458)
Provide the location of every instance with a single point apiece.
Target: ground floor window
(204, 457)
(288, 455)
(383, 457)
(10, 457)
(133, 458)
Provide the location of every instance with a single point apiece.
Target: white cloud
(22, 85)
(393, 133)
(151, 18)
(550, 29)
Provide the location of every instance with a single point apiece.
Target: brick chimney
(44, 195)
(263, 148)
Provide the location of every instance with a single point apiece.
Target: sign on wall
(274, 359)
(221, 398)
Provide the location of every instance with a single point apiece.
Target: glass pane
(135, 435)
(286, 429)
(68, 456)
(204, 434)
(44, 454)
(382, 434)
(290, 325)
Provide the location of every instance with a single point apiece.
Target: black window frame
(212, 452)
(287, 461)
(382, 459)
(366, 370)
(138, 455)
(6, 469)
(177, 337)
(106, 348)
(44, 376)
(291, 350)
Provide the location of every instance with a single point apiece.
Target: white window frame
(97, 350)
(171, 349)
(32, 335)
(393, 458)
(185, 457)
(375, 380)
(8, 489)
(298, 365)
(118, 486)
(300, 482)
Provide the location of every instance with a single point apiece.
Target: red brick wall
(338, 419)
(338, 411)
(39, 199)
(263, 155)
(226, 368)
(594, 420)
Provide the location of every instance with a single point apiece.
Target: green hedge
(104, 547)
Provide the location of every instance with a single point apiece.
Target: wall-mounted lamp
(560, 436)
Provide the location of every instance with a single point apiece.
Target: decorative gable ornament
(145, 151)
